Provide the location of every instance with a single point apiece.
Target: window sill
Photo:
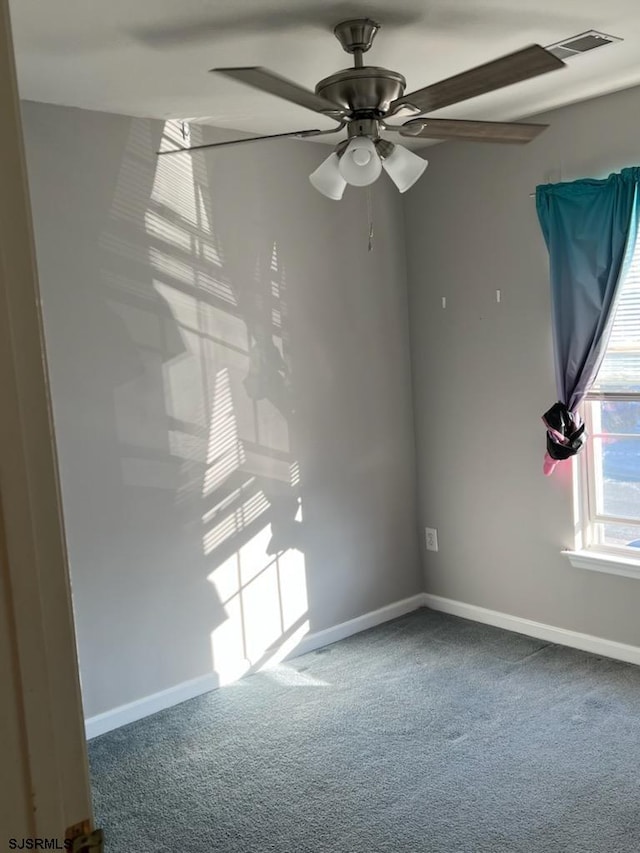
(600, 561)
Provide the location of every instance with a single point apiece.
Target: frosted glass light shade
(404, 167)
(327, 178)
(360, 164)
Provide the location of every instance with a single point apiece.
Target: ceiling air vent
(582, 43)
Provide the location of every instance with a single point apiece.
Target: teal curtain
(590, 228)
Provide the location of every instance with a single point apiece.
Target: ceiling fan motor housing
(368, 90)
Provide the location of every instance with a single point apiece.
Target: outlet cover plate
(431, 538)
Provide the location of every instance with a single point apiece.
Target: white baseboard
(539, 630)
(360, 623)
(132, 711)
(140, 708)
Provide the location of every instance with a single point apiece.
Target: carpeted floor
(429, 734)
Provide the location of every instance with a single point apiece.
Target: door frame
(38, 660)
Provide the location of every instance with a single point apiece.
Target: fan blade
(513, 68)
(301, 134)
(279, 86)
(475, 131)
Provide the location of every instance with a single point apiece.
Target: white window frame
(589, 552)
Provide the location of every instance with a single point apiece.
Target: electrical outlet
(431, 537)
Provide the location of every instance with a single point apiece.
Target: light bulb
(360, 164)
(361, 157)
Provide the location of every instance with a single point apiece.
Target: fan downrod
(364, 91)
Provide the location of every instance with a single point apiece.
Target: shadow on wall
(231, 395)
(225, 284)
(210, 330)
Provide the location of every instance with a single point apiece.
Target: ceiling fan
(364, 97)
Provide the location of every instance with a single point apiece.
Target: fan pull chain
(370, 218)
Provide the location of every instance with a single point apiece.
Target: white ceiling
(151, 57)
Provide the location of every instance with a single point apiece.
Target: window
(610, 465)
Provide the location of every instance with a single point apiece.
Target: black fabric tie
(565, 434)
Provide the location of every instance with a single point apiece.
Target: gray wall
(214, 327)
(483, 373)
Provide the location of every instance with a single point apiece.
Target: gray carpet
(429, 733)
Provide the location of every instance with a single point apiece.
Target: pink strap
(549, 465)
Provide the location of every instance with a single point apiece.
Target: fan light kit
(362, 99)
(361, 161)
